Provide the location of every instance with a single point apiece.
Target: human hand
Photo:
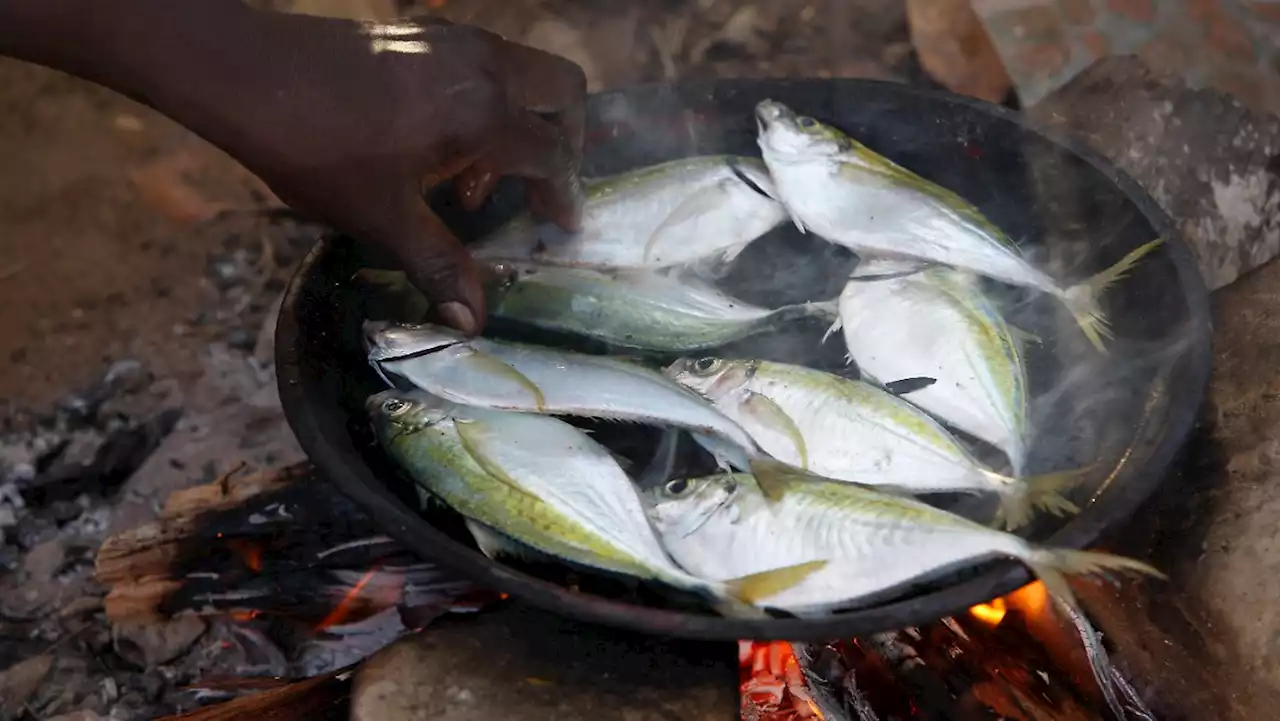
(352, 122)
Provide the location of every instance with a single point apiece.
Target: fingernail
(458, 316)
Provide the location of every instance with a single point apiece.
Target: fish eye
(678, 486)
(706, 365)
(807, 122)
(394, 406)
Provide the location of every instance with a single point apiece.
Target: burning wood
(286, 557)
(1014, 658)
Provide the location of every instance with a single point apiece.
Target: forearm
(181, 57)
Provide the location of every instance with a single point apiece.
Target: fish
(517, 377)
(850, 195)
(876, 544)
(700, 211)
(542, 483)
(856, 432)
(903, 318)
(636, 309)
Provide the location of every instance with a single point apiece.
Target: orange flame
(1031, 600)
(248, 552)
(343, 610)
(990, 613)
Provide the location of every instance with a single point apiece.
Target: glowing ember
(773, 682)
(342, 611)
(248, 552)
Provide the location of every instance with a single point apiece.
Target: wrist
(180, 57)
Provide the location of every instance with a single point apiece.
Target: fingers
(534, 149)
(436, 263)
(473, 185)
(544, 83)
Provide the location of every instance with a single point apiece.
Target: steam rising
(1109, 411)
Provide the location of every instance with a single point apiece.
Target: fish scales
(641, 310)
(683, 212)
(875, 544)
(903, 320)
(847, 194)
(512, 376)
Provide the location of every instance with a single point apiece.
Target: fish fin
(772, 414)
(497, 365)
(469, 434)
(751, 589)
(796, 220)
(1082, 299)
(836, 325)
(726, 453)
(663, 461)
(735, 167)
(1023, 337)
(904, 386)
(700, 201)
(1022, 496)
(825, 308)
(491, 542)
(773, 477)
(1052, 566)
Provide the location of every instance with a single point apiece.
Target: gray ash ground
(61, 471)
(65, 485)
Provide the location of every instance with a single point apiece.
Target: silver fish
(856, 432)
(640, 310)
(875, 543)
(695, 211)
(906, 319)
(511, 376)
(850, 195)
(540, 482)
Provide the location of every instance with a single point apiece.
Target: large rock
(1211, 164)
(517, 663)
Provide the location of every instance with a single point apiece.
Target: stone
(19, 682)
(954, 48)
(82, 715)
(148, 645)
(1207, 160)
(513, 662)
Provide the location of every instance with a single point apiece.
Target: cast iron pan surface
(1126, 413)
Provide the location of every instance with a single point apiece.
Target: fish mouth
(769, 112)
(387, 340)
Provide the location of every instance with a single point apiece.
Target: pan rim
(359, 483)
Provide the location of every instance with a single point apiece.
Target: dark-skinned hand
(348, 122)
(383, 113)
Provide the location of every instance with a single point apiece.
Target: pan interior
(1123, 414)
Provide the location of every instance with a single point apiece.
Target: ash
(62, 472)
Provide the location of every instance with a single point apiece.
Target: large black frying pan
(1127, 412)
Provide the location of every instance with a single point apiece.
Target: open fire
(317, 589)
(1020, 657)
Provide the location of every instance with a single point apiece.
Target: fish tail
(1083, 299)
(1052, 566)
(1021, 497)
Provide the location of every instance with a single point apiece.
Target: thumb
(437, 264)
